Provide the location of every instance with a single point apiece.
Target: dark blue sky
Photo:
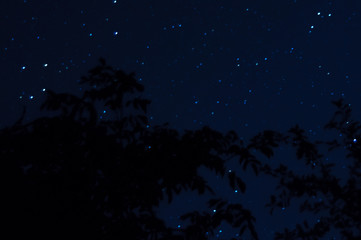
(233, 65)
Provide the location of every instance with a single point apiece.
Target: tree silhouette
(81, 174)
(341, 203)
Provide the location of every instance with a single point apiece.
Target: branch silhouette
(86, 174)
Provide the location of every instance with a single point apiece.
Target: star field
(232, 65)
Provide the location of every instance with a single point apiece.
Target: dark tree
(83, 174)
(340, 203)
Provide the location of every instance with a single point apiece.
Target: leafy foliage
(79, 175)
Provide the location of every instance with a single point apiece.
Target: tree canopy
(79, 174)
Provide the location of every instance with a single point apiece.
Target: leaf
(212, 202)
(241, 231)
(241, 184)
(232, 178)
(255, 168)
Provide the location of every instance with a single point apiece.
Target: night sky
(246, 65)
